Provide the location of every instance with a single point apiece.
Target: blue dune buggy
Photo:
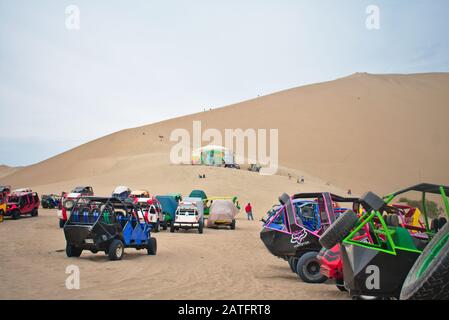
(106, 224)
(293, 229)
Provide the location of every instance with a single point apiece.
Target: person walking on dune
(249, 211)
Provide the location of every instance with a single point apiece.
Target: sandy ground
(219, 264)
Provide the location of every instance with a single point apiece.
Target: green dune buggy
(385, 258)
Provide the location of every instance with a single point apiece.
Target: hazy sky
(136, 62)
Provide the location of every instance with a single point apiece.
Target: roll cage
(372, 231)
(291, 217)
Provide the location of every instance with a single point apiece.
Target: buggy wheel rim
(313, 268)
(434, 252)
(119, 251)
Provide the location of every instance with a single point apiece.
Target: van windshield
(187, 212)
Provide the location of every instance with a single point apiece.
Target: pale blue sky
(137, 62)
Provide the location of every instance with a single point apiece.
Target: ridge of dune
(364, 131)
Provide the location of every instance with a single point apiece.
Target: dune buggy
(384, 256)
(331, 264)
(153, 212)
(5, 191)
(50, 201)
(292, 232)
(22, 203)
(106, 224)
(63, 214)
(2, 207)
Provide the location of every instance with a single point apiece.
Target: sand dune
(362, 132)
(377, 132)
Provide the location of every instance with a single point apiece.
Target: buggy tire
(15, 214)
(172, 227)
(232, 224)
(392, 221)
(441, 222)
(61, 223)
(308, 268)
(428, 279)
(339, 230)
(373, 201)
(152, 247)
(340, 284)
(44, 205)
(34, 213)
(292, 262)
(164, 225)
(72, 251)
(116, 250)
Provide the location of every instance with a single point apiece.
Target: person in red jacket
(249, 211)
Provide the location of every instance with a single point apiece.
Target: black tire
(293, 262)
(164, 225)
(61, 223)
(116, 250)
(431, 283)
(73, 252)
(152, 247)
(372, 201)
(200, 226)
(232, 224)
(34, 213)
(441, 222)
(15, 214)
(157, 227)
(172, 227)
(340, 284)
(434, 225)
(392, 220)
(308, 268)
(339, 230)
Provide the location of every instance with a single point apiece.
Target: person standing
(249, 211)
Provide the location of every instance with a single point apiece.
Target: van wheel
(15, 214)
(200, 227)
(116, 250)
(152, 247)
(72, 251)
(157, 226)
(34, 213)
(233, 224)
(61, 223)
(308, 268)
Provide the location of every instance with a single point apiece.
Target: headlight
(68, 204)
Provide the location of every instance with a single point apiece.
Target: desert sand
(364, 132)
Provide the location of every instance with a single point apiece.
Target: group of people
(300, 180)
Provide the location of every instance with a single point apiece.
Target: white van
(189, 215)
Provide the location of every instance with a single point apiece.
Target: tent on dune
(212, 155)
